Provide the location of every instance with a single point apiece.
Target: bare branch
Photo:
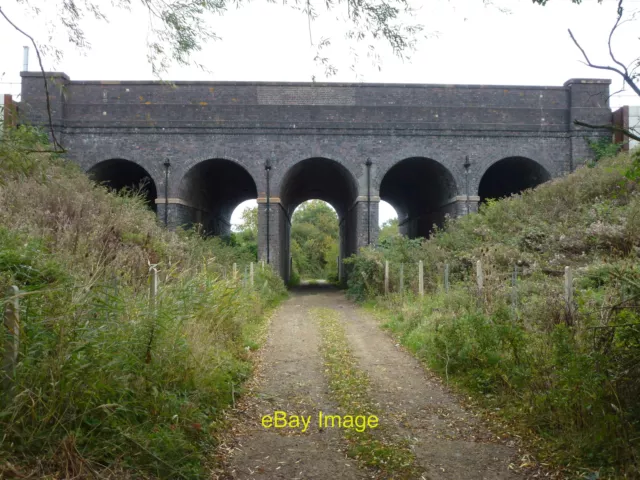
(624, 73)
(584, 54)
(610, 127)
(58, 148)
(613, 30)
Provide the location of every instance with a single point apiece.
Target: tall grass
(572, 377)
(106, 385)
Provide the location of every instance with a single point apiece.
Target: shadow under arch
(210, 191)
(509, 176)
(318, 178)
(422, 191)
(119, 174)
(322, 179)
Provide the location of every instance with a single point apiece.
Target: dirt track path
(448, 441)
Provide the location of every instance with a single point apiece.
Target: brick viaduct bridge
(350, 145)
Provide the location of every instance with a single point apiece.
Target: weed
(104, 383)
(568, 380)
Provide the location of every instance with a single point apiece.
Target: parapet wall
(300, 106)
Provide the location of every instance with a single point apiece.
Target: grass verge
(349, 387)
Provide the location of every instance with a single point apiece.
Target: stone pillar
(422, 225)
(461, 203)
(589, 103)
(363, 222)
(403, 226)
(181, 214)
(160, 209)
(215, 224)
(278, 240)
(342, 248)
(33, 101)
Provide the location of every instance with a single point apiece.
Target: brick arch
(422, 191)
(281, 167)
(120, 173)
(209, 191)
(318, 178)
(511, 175)
(180, 167)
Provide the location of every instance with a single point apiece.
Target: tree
(314, 240)
(629, 73)
(388, 230)
(178, 28)
(246, 235)
(250, 221)
(544, 2)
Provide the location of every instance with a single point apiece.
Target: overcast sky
(464, 41)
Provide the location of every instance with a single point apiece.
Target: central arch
(210, 191)
(322, 179)
(422, 191)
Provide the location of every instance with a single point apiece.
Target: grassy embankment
(566, 379)
(104, 385)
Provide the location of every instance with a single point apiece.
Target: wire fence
(104, 301)
(484, 281)
(491, 286)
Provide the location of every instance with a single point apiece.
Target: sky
(503, 42)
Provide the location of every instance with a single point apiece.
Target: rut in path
(448, 441)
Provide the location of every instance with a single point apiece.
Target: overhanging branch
(58, 148)
(610, 127)
(622, 71)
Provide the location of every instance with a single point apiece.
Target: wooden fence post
(12, 338)
(153, 287)
(479, 276)
(402, 278)
(446, 277)
(421, 278)
(153, 294)
(514, 291)
(251, 274)
(386, 277)
(568, 289)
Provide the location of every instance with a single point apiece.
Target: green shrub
(294, 279)
(603, 148)
(104, 380)
(573, 378)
